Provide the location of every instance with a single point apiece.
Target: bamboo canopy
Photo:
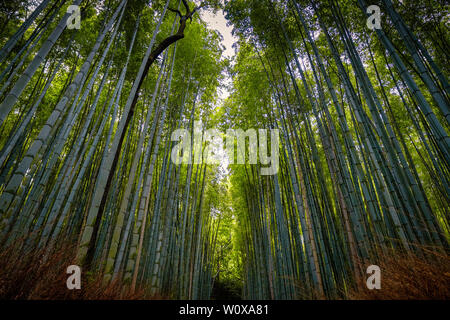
(87, 149)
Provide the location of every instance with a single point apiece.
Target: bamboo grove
(87, 116)
(363, 117)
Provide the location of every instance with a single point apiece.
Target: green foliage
(364, 147)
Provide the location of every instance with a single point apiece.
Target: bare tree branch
(176, 11)
(203, 4)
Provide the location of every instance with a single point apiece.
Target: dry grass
(409, 277)
(35, 276)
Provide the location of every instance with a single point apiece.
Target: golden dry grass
(409, 277)
(36, 275)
